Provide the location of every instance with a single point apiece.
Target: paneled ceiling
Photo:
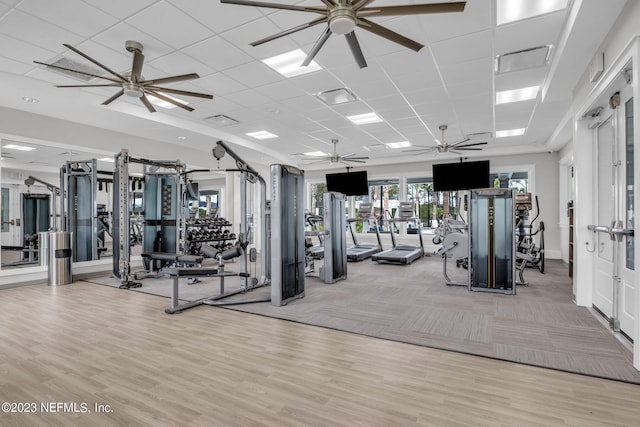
(451, 81)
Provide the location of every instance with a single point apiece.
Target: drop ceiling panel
(520, 79)
(12, 66)
(315, 82)
(529, 33)
(463, 49)
(477, 16)
(22, 52)
(217, 17)
(116, 36)
(281, 90)
(248, 98)
(41, 33)
(169, 24)
(218, 54)
(219, 84)
(177, 63)
(120, 8)
(253, 74)
(303, 104)
(243, 35)
(67, 13)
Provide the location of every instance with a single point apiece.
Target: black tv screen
(348, 183)
(461, 176)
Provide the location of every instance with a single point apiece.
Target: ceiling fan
(337, 158)
(444, 147)
(132, 83)
(343, 16)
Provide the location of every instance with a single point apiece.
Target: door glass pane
(605, 188)
(629, 199)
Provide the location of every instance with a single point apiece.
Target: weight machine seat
(165, 256)
(192, 272)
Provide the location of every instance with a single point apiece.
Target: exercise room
(319, 212)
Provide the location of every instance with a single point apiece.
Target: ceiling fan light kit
(343, 16)
(132, 83)
(443, 147)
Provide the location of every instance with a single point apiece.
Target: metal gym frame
(121, 213)
(287, 234)
(248, 176)
(335, 242)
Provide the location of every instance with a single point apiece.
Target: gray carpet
(540, 325)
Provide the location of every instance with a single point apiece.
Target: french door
(614, 287)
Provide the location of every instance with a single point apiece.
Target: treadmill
(361, 251)
(402, 254)
(314, 221)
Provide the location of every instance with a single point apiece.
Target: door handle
(602, 229)
(12, 222)
(617, 231)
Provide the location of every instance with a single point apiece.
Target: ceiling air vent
(69, 63)
(222, 120)
(523, 59)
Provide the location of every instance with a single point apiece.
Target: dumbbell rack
(207, 230)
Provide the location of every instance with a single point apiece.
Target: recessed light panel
(517, 95)
(261, 134)
(363, 119)
(314, 154)
(401, 144)
(290, 64)
(164, 104)
(18, 147)
(510, 132)
(516, 10)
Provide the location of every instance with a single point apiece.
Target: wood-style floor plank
(85, 343)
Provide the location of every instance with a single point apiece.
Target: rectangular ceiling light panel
(363, 119)
(509, 132)
(401, 144)
(516, 10)
(523, 59)
(261, 134)
(290, 64)
(18, 147)
(517, 95)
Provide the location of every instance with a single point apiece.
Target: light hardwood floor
(85, 343)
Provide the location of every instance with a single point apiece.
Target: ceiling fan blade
(471, 145)
(354, 45)
(353, 160)
(171, 79)
(316, 47)
(105, 85)
(104, 67)
(169, 100)
(416, 9)
(79, 72)
(147, 103)
(459, 142)
(329, 3)
(290, 31)
(468, 149)
(136, 68)
(275, 5)
(114, 97)
(353, 156)
(388, 34)
(359, 4)
(416, 150)
(179, 92)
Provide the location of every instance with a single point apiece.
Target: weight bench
(175, 260)
(178, 272)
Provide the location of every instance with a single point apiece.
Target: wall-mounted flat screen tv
(461, 176)
(348, 183)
